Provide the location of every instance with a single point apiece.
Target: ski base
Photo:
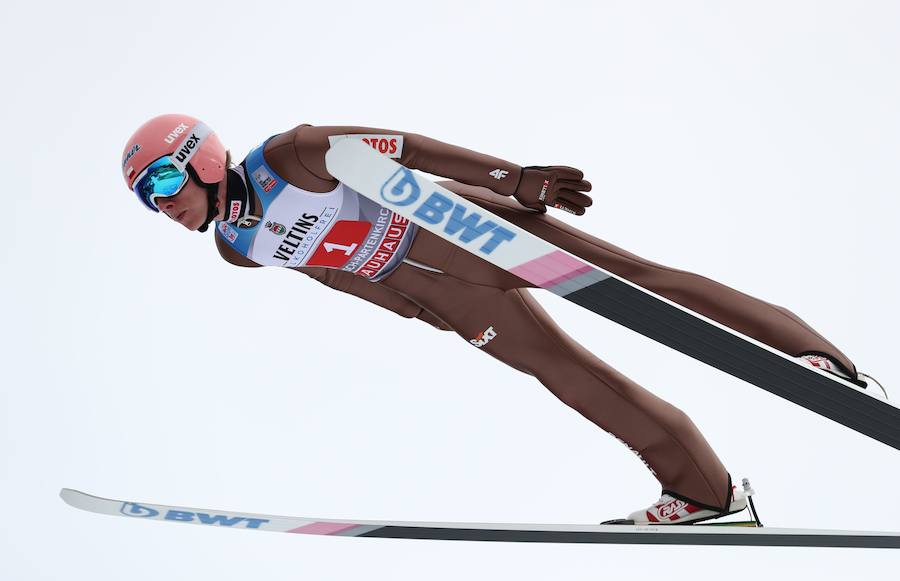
(724, 534)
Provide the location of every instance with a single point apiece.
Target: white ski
(735, 535)
(504, 244)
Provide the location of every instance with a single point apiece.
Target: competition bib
(336, 229)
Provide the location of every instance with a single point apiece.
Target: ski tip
(76, 498)
(68, 495)
(89, 502)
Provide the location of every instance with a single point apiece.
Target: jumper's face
(188, 207)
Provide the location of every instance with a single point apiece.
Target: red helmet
(156, 158)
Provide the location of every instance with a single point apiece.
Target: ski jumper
(433, 280)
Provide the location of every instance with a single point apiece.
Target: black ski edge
(637, 538)
(710, 344)
(762, 368)
(655, 320)
(709, 340)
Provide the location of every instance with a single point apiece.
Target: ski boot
(823, 363)
(826, 364)
(669, 510)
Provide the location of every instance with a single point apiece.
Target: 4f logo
(458, 218)
(499, 173)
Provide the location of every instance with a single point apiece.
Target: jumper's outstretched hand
(559, 186)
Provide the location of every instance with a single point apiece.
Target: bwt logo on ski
(223, 520)
(459, 219)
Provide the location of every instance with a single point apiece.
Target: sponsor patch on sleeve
(389, 145)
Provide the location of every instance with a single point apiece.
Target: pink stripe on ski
(551, 269)
(322, 528)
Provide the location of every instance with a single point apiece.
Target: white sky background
(755, 143)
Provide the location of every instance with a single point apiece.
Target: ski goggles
(161, 179)
(166, 176)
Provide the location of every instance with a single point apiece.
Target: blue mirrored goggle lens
(161, 180)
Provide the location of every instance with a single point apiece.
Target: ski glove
(559, 186)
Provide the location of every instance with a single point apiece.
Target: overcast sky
(756, 143)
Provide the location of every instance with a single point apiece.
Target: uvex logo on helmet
(184, 152)
(173, 135)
